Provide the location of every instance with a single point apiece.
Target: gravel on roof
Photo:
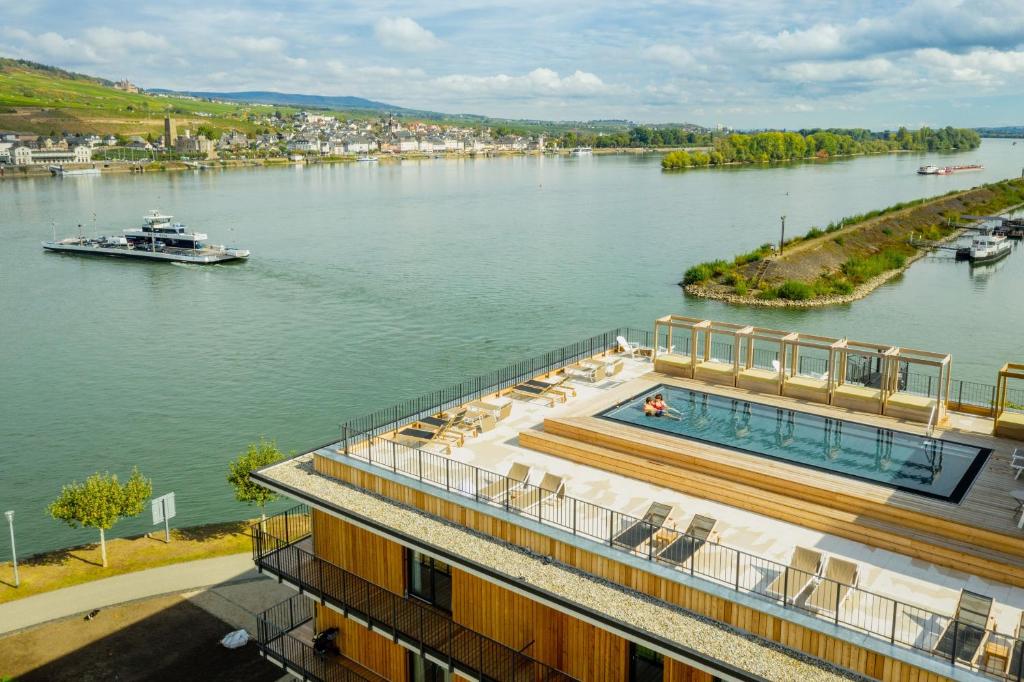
(718, 641)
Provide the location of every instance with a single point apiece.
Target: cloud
(840, 71)
(256, 46)
(539, 82)
(402, 33)
(673, 55)
(983, 66)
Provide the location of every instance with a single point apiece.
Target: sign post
(163, 512)
(14, 553)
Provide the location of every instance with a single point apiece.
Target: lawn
(75, 565)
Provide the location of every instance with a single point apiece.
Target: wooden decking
(979, 535)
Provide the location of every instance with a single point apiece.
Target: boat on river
(928, 170)
(61, 171)
(366, 158)
(156, 239)
(987, 247)
(948, 170)
(581, 151)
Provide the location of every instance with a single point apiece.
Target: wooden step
(890, 535)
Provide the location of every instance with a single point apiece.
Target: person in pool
(649, 407)
(659, 405)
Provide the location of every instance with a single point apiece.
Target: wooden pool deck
(979, 535)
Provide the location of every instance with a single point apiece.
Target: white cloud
(114, 41)
(874, 69)
(402, 33)
(539, 82)
(983, 66)
(673, 55)
(256, 46)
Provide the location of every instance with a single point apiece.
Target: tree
(257, 455)
(100, 502)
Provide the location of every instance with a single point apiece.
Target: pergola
(722, 366)
(760, 366)
(867, 390)
(1009, 423)
(680, 340)
(922, 395)
(804, 384)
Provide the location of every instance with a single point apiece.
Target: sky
(740, 63)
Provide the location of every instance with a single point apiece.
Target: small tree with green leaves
(257, 455)
(100, 502)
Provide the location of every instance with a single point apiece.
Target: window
(645, 665)
(429, 580)
(422, 670)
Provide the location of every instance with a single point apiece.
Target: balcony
(281, 548)
(284, 633)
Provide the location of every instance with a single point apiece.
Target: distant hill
(288, 99)
(1002, 131)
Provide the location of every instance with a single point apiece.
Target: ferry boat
(987, 247)
(61, 171)
(157, 239)
(928, 170)
(581, 151)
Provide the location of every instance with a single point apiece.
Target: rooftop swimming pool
(931, 467)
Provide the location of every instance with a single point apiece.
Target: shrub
(733, 278)
(755, 255)
(839, 241)
(792, 290)
(698, 274)
(768, 293)
(859, 270)
(741, 287)
(813, 232)
(887, 231)
(720, 267)
(676, 160)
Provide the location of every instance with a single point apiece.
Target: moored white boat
(987, 247)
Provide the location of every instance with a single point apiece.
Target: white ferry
(61, 171)
(366, 158)
(987, 247)
(157, 239)
(928, 170)
(581, 151)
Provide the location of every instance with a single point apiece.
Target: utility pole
(14, 553)
(782, 236)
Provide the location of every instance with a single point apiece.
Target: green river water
(369, 283)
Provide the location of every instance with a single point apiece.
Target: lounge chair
(967, 630)
(450, 427)
(524, 498)
(498, 408)
(653, 520)
(839, 578)
(531, 392)
(1017, 462)
(630, 350)
(417, 437)
(592, 372)
(681, 551)
(803, 567)
(509, 483)
(559, 384)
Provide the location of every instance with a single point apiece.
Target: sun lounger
(641, 531)
(499, 408)
(559, 384)
(968, 629)
(550, 486)
(840, 577)
(509, 483)
(449, 427)
(417, 437)
(681, 551)
(1017, 463)
(533, 392)
(803, 567)
(589, 371)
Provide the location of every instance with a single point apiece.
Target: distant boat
(988, 247)
(949, 170)
(928, 170)
(61, 171)
(366, 158)
(581, 151)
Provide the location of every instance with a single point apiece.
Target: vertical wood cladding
(366, 648)
(359, 551)
(784, 632)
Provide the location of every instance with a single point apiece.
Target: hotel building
(801, 508)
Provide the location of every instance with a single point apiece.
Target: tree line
(770, 146)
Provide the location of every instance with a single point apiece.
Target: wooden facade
(791, 635)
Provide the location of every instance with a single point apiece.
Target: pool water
(930, 467)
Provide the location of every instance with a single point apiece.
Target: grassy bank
(76, 565)
(847, 258)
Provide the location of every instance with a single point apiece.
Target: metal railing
(275, 640)
(414, 623)
(844, 605)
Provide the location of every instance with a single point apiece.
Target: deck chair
(803, 567)
(639, 532)
(449, 427)
(629, 349)
(510, 482)
(559, 384)
(550, 486)
(533, 392)
(418, 437)
(684, 548)
(499, 410)
(839, 578)
(590, 371)
(1017, 463)
(967, 630)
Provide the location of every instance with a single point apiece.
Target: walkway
(182, 577)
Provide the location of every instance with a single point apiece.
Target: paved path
(40, 608)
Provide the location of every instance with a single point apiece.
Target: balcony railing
(274, 628)
(849, 607)
(404, 619)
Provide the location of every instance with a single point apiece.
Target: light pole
(782, 237)
(14, 554)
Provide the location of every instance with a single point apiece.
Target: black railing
(275, 640)
(414, 623)
(844, 605)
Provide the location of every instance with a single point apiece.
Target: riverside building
(805, 508)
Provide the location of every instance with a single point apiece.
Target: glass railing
(844, 605)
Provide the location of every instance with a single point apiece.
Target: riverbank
(76, 565)
(847, 260)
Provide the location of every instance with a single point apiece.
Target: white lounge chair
(1017, 462)
(630, 349)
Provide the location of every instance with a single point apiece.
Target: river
(369, 283)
